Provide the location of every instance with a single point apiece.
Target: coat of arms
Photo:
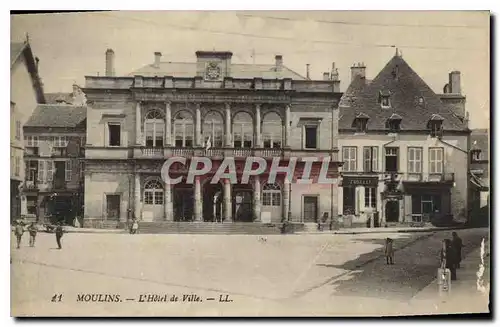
(213, 71)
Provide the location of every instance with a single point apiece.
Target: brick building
(404, 148)
(167, 109)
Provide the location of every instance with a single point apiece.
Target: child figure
(389, 251)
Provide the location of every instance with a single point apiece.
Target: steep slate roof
(353, 90)
(188, 69)
(18, 49)
(52, 98)
(15, 50)
(56, 115)
(405, 91)
(480, 136)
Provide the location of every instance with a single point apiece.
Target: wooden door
(310, 209)
(113, 206)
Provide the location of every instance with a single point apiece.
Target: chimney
(307, 71)
(110, 62)
(326, 76)
(157, 59)
(279, 62)
(358, 69)
(454, 83)
(335, 73)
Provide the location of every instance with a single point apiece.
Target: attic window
(384, 99)
(476, 155)
(435, 125)
(394, 123)
(361, 122)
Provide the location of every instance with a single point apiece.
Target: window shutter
(41, 172)
(375, 158)
(68, 171)
(50, 170)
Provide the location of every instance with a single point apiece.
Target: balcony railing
(429, 177)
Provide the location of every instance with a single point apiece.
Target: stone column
(256, 199)
(258, 136)
(286, 199)
(228, 213)
(197, 200)
(228, 125)
(169, 215)
(198, 126)
(138, 120)
(287, 126)
(137, 196)
(168, 124)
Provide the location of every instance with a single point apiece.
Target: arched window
(183, 129)
(154, 128)
(242, 130)
(272, 130)
(271, 194)
(153, 192)
(213, 127)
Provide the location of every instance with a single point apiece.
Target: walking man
(19, 231)
(59, 234)
(457, 244)
(32, 229)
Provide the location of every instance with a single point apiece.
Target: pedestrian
(59, 234)
(19, 231)
(449, 256)
(457, 244)
(135, 227)
(389, 251)
(33, 230)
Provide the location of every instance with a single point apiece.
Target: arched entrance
(183, 202)
(153, 201)
(392, 211)
(213, 197)
(242, 203)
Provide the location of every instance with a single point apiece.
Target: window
(45, 170)
(370, 158)
(370, 197)
(18, 130)
(213, 128)
(271, 195)
(423, 206)
(68, 171)
(50, 170)
(476, 155)
(361, 125)
(394, 125)
(32, 171)
(114, 134)
(436, 160)
(242, 130)
(272, 131)
(415, 160)
(349, 158)
(436, 128)
(153, 192)
(17, 168)
(311, 137)
(154, 128)
(41, 171)
(31, 202)
(391, 159)
(385, 101)
(59, 141)
(31, 141)
(183, 130)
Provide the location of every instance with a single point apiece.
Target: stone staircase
(207, 228)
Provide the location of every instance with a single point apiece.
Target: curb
(381, 230)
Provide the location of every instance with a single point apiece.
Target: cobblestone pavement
(281, 275)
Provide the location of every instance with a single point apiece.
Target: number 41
(57, 298)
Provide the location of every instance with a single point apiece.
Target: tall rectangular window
(391, 159)
(18, 130)
(68, 170)
(415, 160)
(114, 134)
(349, 157)
(370, 158)
(18, 166)
(311, 133)
(370, 197)
(436, 160)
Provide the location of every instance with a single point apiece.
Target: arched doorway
(213, 129)
(242, 130)
(183, 129)
(153, 201)
(272, 130)
(154, 128)
(272, 201)
(183, 203)
(392, 211)
(242, 203)
(213, 198)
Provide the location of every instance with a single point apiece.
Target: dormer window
(476, 155)
(384, 98)
(394, 123)
(361, 122)
(435, 125)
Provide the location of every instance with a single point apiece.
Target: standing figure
(19, 231)
(33, 230)
(59, 235)
(457, 245)
(449, 258)
(135, 227)
(389, 251)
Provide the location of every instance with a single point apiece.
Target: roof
(56, 115)
(53, 98)
(406, 89)
(189, 69)
(16, 50)
(481, 139)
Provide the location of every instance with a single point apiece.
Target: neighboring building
(75, 98)
(170, 109)
(480, 171)
(53, 138)
(404, 148)
(25, 92)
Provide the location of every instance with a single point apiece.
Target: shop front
(360, 199)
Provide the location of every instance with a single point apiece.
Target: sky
(72, 45)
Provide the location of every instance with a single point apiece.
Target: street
(280, 275)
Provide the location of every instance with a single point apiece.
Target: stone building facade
(209, 108)
(404, 148)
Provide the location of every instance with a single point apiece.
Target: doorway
(349, 200)
(242, 203)
(212, 202)
(183, 203)
(60, 175)
(392, 211)
(112, 206)
(310, 209)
